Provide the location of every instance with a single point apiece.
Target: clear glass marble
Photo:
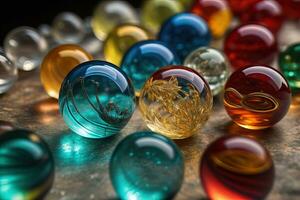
(8, 73)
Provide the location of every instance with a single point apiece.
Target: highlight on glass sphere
(8, 73)
(235, 167)
(96, 99)
(68, 27)
(257, 97)
(140, 157)
(25, 47)
(176, 102)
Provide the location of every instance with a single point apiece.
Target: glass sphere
(68, 27)
(58, 63)
(25, 47)
(146, 165)
(46, 31)
(156, 12)
(6, 126)
(26, 167)
(144, 58)
(96, 99)
(109, 14)
(235, 167)
(257, 97)
(290, 8)
(212, 64)
(184, 33)
(176, 102)
(238, 7)
(121, 39)
(250, 44)
(8, 73)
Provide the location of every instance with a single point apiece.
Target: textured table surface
(82, 164)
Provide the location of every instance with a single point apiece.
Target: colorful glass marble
(289, 63)
(156, 12)
(291, 8)
(184, 33)
(144, 58)
(265, 12)
(109, 14)
(146, 165)
(26, 166)
(257, 97)
(235, 167)
(212, 64)
(25, 47)
(217, 13)
(121, 39)
(176, 101)
(58, 63)
(238, 7)
(68, 27)
(96, 99)
(250, 45)
(8, 73)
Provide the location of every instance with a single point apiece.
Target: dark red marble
(291, 8)
(239, 6)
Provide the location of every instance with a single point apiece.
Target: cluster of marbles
(250, 44)
(176, 102)
(257, 97)
(26, 167)
(144, 58)
(212, 65)
(234, 167)
(146, 165)
(217, 14)
(120, 39)
(58, 63)
(8, 73)
(96, 99)
(184, 33)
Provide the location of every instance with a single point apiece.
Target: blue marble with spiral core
(96, 99)
(146, 166)
(184, 33)
(26, 166)
(144, 58)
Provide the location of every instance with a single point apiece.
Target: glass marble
(8, 73)
(109, 14)
(155, 12)
(146, 166)
(67, 27)
(121, 39)
(46, 31)
(235, 167)
(176, 101)
(217, 13)
(58, 63)
(5, 126)
(266, 12)
(184, 33)
(238, 7)
(26, 166)
(25, 47)
(96, 99)
(257, 97)
(250, 44)
(289, 63)
(290, 8)
(213, 66)
(144, 58)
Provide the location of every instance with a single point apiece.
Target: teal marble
(146, 165)
(26, 166)
(184, 33)
(96, 99)
(144, 58)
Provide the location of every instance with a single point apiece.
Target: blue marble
(96, 99)
(26, 166)
(146, 165)
(184, 33)
(144, 58)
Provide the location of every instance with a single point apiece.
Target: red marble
(267, 13)
(250, 45)
(291, 8)
(234, 167)
(239, 6)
